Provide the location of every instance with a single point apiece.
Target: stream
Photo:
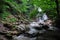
(40, 30)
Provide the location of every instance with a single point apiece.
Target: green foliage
(12, 19)
(48, 6)
(5, 17)
(33, 14)
(44, 4)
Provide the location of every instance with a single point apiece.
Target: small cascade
(44, 17)
(36, 29)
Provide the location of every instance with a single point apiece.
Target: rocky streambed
(42, 29)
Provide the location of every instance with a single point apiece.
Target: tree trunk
(58, 14)
(57, 7)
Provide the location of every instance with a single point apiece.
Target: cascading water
(36, 28)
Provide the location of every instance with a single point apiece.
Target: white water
(44, 17)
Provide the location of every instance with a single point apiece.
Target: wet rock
(34, 24)
(2, 37)
(21, 27)
(2, 28)
(22, 37)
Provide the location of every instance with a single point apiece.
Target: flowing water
(39, 31)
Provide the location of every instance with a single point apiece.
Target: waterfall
(44, 17)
